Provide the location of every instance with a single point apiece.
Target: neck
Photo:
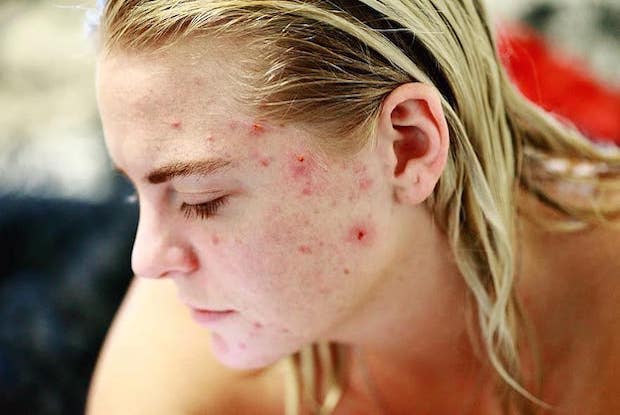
(413, 341)
(413, 333)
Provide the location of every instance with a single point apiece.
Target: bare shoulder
(156, 360)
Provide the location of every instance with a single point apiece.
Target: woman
(347, 197)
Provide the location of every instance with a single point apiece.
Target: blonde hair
(328, 65)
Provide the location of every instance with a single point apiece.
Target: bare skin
(308, 248)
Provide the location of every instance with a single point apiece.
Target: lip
(210, 317)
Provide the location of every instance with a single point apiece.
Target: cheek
(299, 256)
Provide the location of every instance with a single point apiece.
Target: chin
(245, 360)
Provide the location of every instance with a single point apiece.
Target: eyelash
(203, 210)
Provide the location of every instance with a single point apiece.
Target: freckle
(215, 239)
(285, 330)
(321, 244)
(347, 271)
(305, 249)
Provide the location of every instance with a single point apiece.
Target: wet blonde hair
(328, 65)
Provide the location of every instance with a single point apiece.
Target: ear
(413, 139)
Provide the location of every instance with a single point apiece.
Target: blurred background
(65, 226)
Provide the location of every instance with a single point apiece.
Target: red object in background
(560, 84)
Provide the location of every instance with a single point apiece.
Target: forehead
(191, 79)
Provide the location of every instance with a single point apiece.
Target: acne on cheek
(361, 234)
(361, 172)
(302, 173)
(305, 249)
(262, 159)
(253, 129)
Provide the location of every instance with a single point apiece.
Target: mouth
(210, 317)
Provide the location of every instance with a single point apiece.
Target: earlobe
(414, 130)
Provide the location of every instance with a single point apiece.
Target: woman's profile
(346, 207)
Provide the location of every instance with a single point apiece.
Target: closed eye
(203, 210)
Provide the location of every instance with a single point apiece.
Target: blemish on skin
(305, 249)
(307, 191)
(258, 325)
(347, 271)
(265, 161)
(219, 343)
(285, 330)
(360, 234)
(300, 167)
(209, 138)
(257, 130)
(215, 239)
(365, 183)
(242, 345)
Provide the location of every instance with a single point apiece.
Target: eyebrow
(182, 169)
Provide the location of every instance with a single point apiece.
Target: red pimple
(258, 325)
(307, 191)
(215, 239)
(209, 138)
(176, 124)
(300, 167)
(365, 183)
(265, 161)
(257, 130)
(305, 249)
(242, 345)
(360, 234)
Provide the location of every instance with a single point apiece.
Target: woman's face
(290, 240)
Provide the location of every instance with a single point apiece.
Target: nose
(159, 249)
